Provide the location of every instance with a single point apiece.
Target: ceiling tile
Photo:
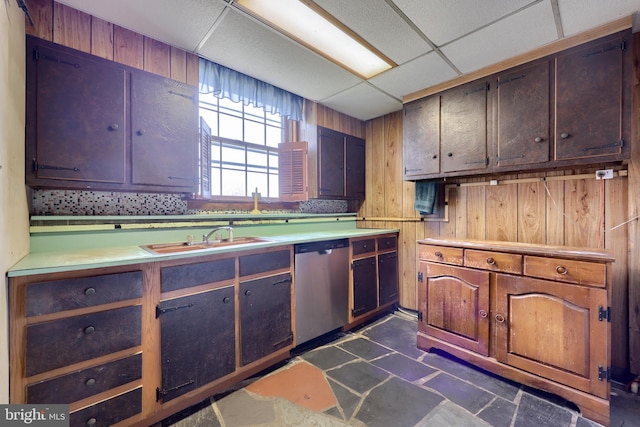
(520, 33)
(380, 25)
(580, 15)
(428, 70)
(444, 20)
(181, 24)
(363, 102)
(240, 43)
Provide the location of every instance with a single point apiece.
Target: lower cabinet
(532, 313)
(373, 277)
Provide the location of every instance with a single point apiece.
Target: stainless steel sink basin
(178, 247)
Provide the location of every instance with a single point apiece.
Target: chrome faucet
(206, 237)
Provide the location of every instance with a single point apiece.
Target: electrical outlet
(604, 174)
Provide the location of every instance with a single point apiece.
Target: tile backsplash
(73, 202)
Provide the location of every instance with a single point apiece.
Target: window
(244, 147)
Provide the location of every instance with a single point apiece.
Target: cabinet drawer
(387, 243)
(200, 273)
(441, 254)
(565, 270)
(263, 262)
(110, 411)
(363, 246)
(69, 294)
(87, 382)
(59, 343)
(495, 261)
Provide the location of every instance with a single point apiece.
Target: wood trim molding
(549, 49)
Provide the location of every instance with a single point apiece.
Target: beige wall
(14, 216)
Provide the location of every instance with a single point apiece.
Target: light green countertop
(56, 250)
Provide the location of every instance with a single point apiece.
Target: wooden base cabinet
(535, 314)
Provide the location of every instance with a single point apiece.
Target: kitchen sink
(178, 247)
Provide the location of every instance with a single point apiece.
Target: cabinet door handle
(89, 330)
(90, 382)
(564, 135)
(537, 139)
(483, 313)
(491, 261)
(247, 293)
(561, 270)
(226, 300)
(91, 422)
(499, 318)
(141, 132)
(450, 154)
(113, 126)
(90, 291)
(438, 254)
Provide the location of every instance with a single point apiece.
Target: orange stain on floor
(302, 384)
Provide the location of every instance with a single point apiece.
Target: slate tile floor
(376, 376)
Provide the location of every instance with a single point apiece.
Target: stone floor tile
(396, 403)
(403, 366)
(347, 400)
(396, 333)
(292, 415)
(233, 409)
(364, 348)
(359, 376)
(625, 409)
(470, 397)
(535, 412)
(449, 415)
(200, 415)
(328, 357)
(499, 413)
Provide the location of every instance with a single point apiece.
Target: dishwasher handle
(322, 247)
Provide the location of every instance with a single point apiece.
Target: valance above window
(224, 82)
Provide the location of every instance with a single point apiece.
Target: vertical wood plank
(476, 212)
(501, 216)
(448, 229)
(193, 73)
(376, 205)
(128, 47)
(459, 198)
(71, 27)
(581, 207)
(531, 212)
(393, 165)
(178, 64)
(157, 57)
(554, 190)
(408, 274)
(101, 38)
(42, 15)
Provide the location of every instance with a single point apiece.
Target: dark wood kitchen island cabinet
(131, 345)
(536, 314)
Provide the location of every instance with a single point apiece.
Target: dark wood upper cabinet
(96, 124)
(341, 165)
(589, 104)
(523, 115)
(463, 140)
(355, 167)
(568, 109)
(421, 138)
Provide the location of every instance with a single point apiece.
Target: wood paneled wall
(70, 27)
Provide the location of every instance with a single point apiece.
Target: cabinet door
(523, 115)
(553, 330)
(365, 295)
(454, 305)
(355, 164)
(331, 159)
(76, 126)
(164, 122)
(197, 340)
(265, 316)
(589, 100)
(421, 138)
(464, 128)
(388, 277)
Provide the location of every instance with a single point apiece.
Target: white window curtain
(224, 82)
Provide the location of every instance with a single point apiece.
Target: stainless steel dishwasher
(322, 287)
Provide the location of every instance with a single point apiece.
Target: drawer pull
(91, 422)
(483, 313)
(499, 318)
(90, 382)
(90, 291)
(226, 300)
(491, 261)
(438, 254)
(247, 293)
(89, 330)
(561, 270)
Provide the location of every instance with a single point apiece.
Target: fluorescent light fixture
(308, 24)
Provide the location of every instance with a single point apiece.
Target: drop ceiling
(432, 41)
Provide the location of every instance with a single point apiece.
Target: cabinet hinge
(420, 277)
(604, 374)
(160, 393)
(36, 54)
(160, 311)
(420, 316)
(604, 313)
